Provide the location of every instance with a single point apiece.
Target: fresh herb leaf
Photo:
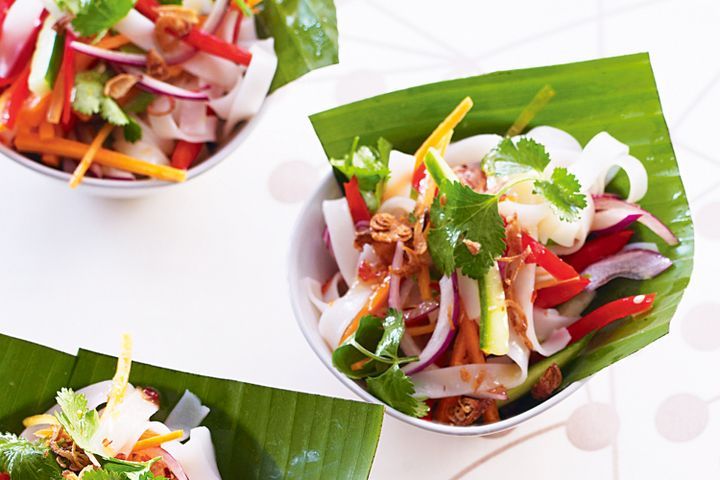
(139, 103)
(370, 166)
(466, 216)
(70, 6)
(171, 2)
(77, 419)
(132, 131)
(111, 111)
(562, 191)
(25, 460)
(90, 99)
(397, 389)
(88, 92)
(97, 16)
(102, 475)
(128, 470)
(514, 157)
(374, 346)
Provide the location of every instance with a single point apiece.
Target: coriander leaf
(71, 6)
(369, 165)
(132, 131)
(111, 111)
(442, 238)
(130, 470)
(97, 16)
(78, 421)
(139, 103)
(563, 193)
(88, 92)
(25, 460)
(466, 216)
(396, 389)
(510, 157)
(171, 2)
(350, 360)
(394, 329)
(102, 475)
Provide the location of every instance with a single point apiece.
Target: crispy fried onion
(547, 383)
(69, 456)
(119, 85)
(383, 233)
(173, 22)
(467, 410)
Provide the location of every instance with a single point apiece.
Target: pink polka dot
(682, 417)
(708, 220)
(701, 327)
(292, 181)
(593, 426)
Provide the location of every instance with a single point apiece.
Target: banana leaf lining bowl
(617, 95)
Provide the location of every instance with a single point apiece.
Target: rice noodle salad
(105, 432)
(125, 89)
(465, 272)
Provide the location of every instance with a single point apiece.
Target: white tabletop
(198, 273)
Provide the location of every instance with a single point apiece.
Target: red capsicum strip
(598, 249)
(553, 296)
(185, 154)
(609, 313)
(20, 93)
(4, 6)
(201, 40)
(547, 259)
(358, 208)
(68, 73)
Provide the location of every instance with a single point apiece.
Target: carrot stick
(424, 283)
(34, 110)
(475, 355)
(423, 330)
(377, 299)
(109, 158)
(450, 122)
(89, 155)
(57, 101)
(157, 440)
(47, 132)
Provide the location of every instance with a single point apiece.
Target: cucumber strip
(438, 168)
(46, 59)
(563, 358)
(494, 325)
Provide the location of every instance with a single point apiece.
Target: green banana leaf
(305, 33)
(617, 95)
(259, 432)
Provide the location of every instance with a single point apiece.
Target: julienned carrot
(89, 155)
(109, 158)
(47, 132)
(422, 330)
(377, 299)
(34, 111)
(424, 283)
(157, 440)
(450, 122)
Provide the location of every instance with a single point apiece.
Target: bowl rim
(297, 290)
(238, 138)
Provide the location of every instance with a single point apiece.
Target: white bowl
(310, 258)
(135, 188)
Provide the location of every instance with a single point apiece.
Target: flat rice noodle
(337, 316)
(479, 380)
(341, 229)
(471, 150)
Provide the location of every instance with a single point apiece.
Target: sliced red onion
(611, 221)
(444, 330)
(632, 264)
(421, 312)
(456, 300)
(608, 202)
(641, 246)
(21, 23)
(397, 263)
(113, 56)
(154, 85)
(169, 460)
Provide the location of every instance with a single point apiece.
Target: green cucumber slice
(494, 327)
(46, 60)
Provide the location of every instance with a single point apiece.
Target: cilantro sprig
(95, 16)
(467, 231)
(90, 99)
(373, 353)
(80, 422)
(370, 165)
(25, 460)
